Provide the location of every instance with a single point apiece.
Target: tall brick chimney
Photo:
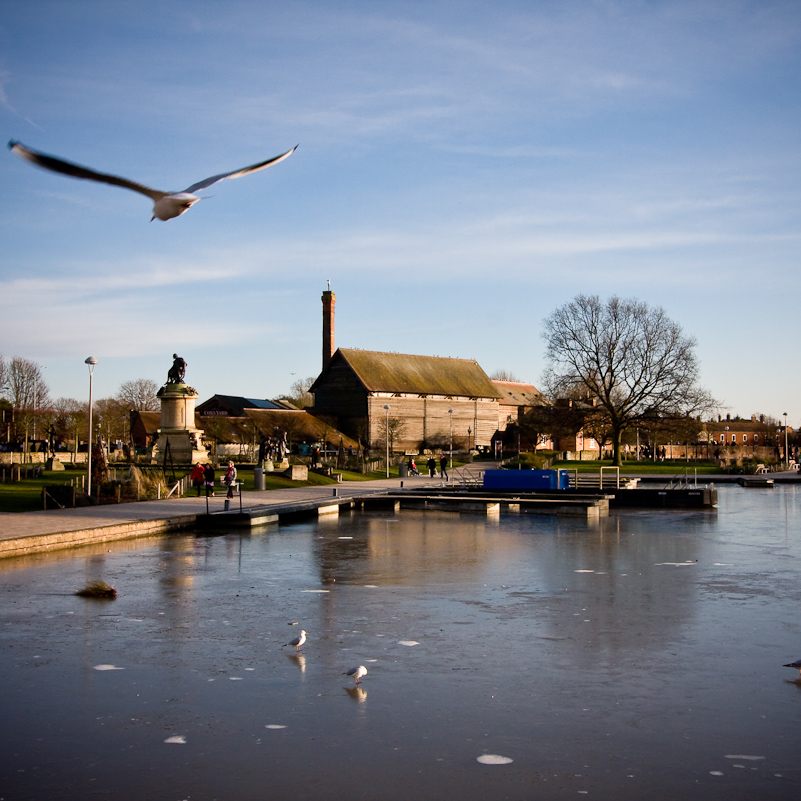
(329, 301)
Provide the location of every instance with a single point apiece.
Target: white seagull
(166, 205)
(357, 673)
(297, 642)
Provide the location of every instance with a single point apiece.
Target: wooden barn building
(430, 398)
(426, 395)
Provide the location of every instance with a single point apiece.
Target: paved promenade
(57, 528)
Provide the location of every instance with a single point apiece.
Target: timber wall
(427, 419)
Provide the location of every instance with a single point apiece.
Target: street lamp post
(450, 414)
(786, 452)
(386, 432)
(91, 361)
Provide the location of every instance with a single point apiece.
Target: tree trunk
(617, 436)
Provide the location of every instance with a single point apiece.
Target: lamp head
(92, 361)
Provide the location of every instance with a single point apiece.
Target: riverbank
(31, 532)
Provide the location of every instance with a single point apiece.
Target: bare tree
(26, 391)
(3, 376)
(110, 418)
(139, 395)
(299, 394)
(69, 420)
(634, 361)
(392, 431)
(504, 375)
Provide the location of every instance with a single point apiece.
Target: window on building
(733, 439)
(745, 437)
(756, 438)
(723, 439)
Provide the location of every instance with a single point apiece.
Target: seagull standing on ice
(357, 673)
(297, 642)
(166, 205)
(796, 665)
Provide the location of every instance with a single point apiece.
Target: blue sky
(463, 169)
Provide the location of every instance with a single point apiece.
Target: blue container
(526, 480)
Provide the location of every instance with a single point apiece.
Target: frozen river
(639, 657)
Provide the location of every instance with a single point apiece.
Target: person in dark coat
(432, 467)
(208, 474)
(443, 467)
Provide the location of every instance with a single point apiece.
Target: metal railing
(468, 475)
(683, 480)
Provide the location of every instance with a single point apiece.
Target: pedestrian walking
(443, 467)
(197, 477)
(208, 475)
(230, 479)
(432, 467)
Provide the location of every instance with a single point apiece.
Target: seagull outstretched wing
(76, 171)
(262, 165)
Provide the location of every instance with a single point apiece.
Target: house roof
(517, 393)
(419, 375)
(738, 425)
(299, 425)
(150, 420)
(235, 405)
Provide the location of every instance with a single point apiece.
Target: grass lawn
(26, 495)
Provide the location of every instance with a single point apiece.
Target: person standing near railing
(230, 479)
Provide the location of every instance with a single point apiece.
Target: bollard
(335, 492)
(227, 504)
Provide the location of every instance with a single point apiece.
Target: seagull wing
(76, 171)
(262, 165)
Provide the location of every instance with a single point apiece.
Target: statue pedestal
(178, 427)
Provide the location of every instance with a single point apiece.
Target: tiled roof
(419, 375)
(235, 404)
(517, 393)
(300, 425)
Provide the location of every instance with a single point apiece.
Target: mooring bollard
(227, 504)
(335, 492)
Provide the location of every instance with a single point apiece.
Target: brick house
(754, 432)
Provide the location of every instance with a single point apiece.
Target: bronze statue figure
(175, 375)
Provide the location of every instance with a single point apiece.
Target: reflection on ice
(358, 694)
(299, 660)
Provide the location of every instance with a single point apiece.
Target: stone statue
(175, 375)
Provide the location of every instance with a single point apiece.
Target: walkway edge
(20, 546)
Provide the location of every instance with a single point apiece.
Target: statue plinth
(178, 427)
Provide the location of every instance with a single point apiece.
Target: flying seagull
(357, 673)
(297, 642)
(796, 665)
(166, 205)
